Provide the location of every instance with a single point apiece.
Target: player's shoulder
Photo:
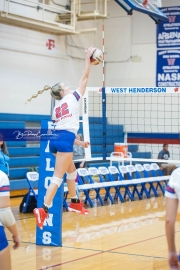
(176, 172)
(175, 176)
(76, 94)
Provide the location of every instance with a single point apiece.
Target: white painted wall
(26, 64)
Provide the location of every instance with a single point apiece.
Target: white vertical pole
(3, 5)
(43, 10)
(7, 10)
(85, 117)
(103, 81)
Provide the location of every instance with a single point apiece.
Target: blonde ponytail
(46, 87)
(54, 91)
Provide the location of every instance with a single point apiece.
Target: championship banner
(168, 68)
(51, 235)
(168, 33)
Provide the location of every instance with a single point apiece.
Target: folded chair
(140, 174)
(86, 188)
(31, 177)
(34, 176)
(129, 170)
(158, 173)
(93, 171)
(118, 185)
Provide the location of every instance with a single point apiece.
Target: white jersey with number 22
(66, 112)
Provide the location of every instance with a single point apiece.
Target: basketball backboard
(143, 6)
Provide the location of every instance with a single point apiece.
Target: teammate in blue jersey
(66, 117)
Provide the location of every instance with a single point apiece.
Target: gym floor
(127, 235)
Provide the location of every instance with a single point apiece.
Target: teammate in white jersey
(66, 117)
(6, 220)
(173, 197)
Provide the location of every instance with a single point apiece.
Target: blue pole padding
(51, 235)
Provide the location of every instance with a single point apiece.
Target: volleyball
(97, 57)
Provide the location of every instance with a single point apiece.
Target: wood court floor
(127, 235)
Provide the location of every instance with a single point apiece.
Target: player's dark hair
(165, 144)
(3, 147)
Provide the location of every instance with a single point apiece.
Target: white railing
(119, 157)
(39, 11)
(98, 8)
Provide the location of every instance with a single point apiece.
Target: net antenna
(156, 3)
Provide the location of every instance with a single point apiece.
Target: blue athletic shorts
(3, 239)
(62, 142)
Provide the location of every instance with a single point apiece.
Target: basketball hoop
(156, 3)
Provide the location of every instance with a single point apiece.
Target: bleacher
(24, 156)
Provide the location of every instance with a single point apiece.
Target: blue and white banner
(51, 235)
(168, 33)
(168, 68)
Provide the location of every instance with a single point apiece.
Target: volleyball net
(143, 118)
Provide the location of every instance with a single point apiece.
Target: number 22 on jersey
(61, 110)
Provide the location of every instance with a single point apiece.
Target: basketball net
(156, 3)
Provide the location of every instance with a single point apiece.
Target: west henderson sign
(142, 90)
(123, 90)
(168, 68)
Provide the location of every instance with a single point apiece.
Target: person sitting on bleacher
(164, 154)
(78, 153)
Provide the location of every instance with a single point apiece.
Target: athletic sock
(45, 207)
(75, 199)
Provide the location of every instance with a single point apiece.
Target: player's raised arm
(84, 79)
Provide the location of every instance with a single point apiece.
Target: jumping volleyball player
(66, 116)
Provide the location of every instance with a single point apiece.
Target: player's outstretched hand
(17, 241)
(81, 143)
(89, 51)
(86, 144)
(173, 261)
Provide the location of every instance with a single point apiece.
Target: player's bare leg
(62, 163)
(75, 205)
(5, 259)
